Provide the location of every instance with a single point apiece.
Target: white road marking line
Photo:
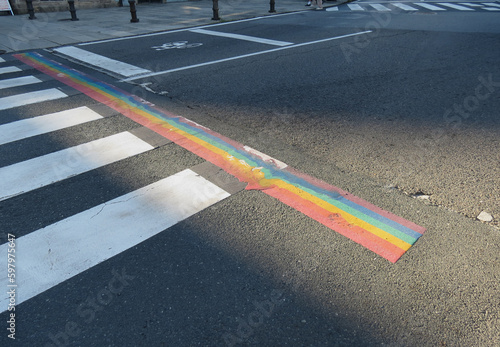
(44, 124)
(279, 164)
(242, 56)
(355, 7)
(380, 7)
(404, 6)
(471, 4)
(19, 81)
(183, 30)
(481, 6)
(38, 172)
(9, 69)
(241, 37)
(53, 254)
(330, 9)
(429, 7)
(30, 98)
(488, 8)
(456, 7)
(115, 66)
(491, 4)
(2, 60)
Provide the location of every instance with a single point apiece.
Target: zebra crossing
(418, 6)
(82, 181)
(52, 250)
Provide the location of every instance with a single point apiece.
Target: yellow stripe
(347, 216)
(253, 173)
(259, 176)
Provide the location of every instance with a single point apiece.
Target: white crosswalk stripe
(430, 7)
(471, 4)
(416, 6)
(18, 82)
(485, 6)
(9, 69)
(491, 7)
(456, 7)
(379, 7)
(115, 66)
(41, 171)
(355, 7)
(30, 98)
(63, 249)
(404, 6)
(26, 128)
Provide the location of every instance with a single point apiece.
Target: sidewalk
(54, 29)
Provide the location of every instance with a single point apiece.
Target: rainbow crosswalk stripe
(388, 235)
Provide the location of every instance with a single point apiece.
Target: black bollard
(72, 9)
(215, 8)
(31, 10)
(133, 11)
(272, 9)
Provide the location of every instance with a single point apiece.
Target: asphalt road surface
(413, 103)
(387, 105)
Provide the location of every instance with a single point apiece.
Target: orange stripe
(337, 223)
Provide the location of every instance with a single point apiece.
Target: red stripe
(333, 221)
(357, 234)
(321, 184)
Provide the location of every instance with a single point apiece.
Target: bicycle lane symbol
(176, 45)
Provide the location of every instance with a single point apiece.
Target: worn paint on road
(382, 232)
